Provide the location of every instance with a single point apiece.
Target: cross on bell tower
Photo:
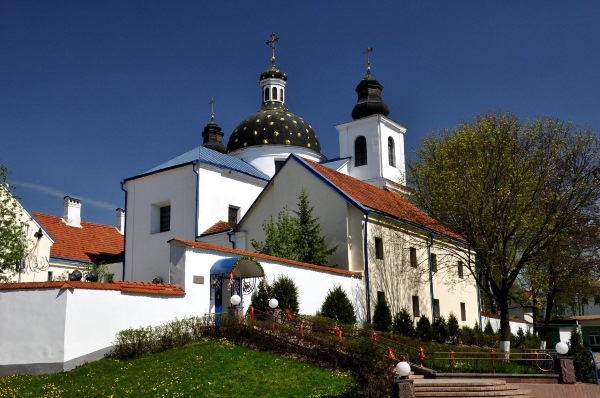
(271, 43)
(368, 52)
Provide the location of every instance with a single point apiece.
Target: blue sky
(92, 93)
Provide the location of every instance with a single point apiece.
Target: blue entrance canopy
(243, 267)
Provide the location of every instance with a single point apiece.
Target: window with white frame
(594, 338)
(233, 214)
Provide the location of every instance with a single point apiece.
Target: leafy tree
(423, 328)
(403, 323)
(453, 328)
(12, 239)
(337, 306)
(510, 189)
(382, 316)
(295, 237)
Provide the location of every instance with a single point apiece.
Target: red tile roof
(208, 246)
(219, 226)
(381, 200)
(91, 243)
(128, 287)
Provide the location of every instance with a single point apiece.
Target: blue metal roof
(211, 157)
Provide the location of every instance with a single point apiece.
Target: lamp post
(276, 314)
(403, 386)
(236, 310)
(564, 365)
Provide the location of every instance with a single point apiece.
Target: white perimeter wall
(514, 325)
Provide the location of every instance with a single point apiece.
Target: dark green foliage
(337, 306)
(439, 330)
(467, 336)
(295, 237)
(12, 243)
(582, 359)
(382, 317)
(478, 333)
(488, 328)
(403, 323)
(531, 340)
(424, 328)
(519, 339)
(453, 328)
(371, 371)
(284, 289)
(260, 299)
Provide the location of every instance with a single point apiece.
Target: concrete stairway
(487, 388)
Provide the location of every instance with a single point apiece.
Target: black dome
(369, 99)
(273, 124)
(213, 136)
(274, 73)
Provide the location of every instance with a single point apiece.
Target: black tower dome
(273, 124)
(369, 95)
(212, 136)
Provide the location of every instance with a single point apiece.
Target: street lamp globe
(403, 369)
(235, 299)
(273, 303)
(562, 348)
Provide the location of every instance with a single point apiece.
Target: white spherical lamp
(273, 303)
(562, 348)
(235, 299)
(403, 369)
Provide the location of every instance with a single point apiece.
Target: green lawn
(206, 369)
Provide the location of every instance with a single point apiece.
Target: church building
(219, 196)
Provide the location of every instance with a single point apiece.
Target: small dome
(369, 99)
(213, 136)
(273, 73)
(273, 124)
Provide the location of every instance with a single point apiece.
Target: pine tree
(337, 306)
(382, 317)
(284, 289)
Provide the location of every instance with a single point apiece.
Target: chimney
(121, 221)
(72, 211)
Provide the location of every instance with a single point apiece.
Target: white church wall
(329, 207)
(263, 157)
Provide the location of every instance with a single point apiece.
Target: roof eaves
(149, 173)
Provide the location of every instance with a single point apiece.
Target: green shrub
(467, 335)
(488, 328)
(337, 306)
(439, 330)
(424, 328)
(582, 359)
(132, 343)
(403, 323)
(382, 318)
(519, 339)
(453, 328)
(478, 333)
(284, 289)
(370, 369)
(260, 299)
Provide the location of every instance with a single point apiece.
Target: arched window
(266, 94)
(360, 151)
(274, 93)
(281, 95)
(391, 152)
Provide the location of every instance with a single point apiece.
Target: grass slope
(206, 369)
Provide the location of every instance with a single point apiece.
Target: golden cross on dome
(368, 52)
(212, 109)
(271, 43)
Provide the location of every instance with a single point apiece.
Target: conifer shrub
(382, 318)
(424, 328)
(403, 323)
(439, 330)
(453, 328)
(478, 333)
(488, 328)
(582, 359)
(284, 289)
(467, 336)
(337, 306)
(370, 369)
(260, 299)
(519, 339)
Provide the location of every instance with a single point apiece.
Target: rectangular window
(50, 275)
(413, 257)
(165, 219)
(436, 308)
(463, 312)
(460, 270)
(596, 300)
(379, 248)
(594, 338)
(233, 215)
(415, 305)
(433, 262)
(380, 297)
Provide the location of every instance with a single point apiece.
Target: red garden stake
(391, 353)
(375, 336)
(493, 355)
(422, 355)
(338, 332)
(452, 357)
(288, 314)
(301, 328)
(535, 358)
(251, 312)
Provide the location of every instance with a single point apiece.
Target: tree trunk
(534, 310)
(504, 323)
(548, 313)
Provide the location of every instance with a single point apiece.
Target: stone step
(500, 387)
(471, 388)
(471, 394)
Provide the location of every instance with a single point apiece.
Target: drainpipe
(429, 244)
(195, 168)
(124, 229)
(230, 234)
(479, 292)
(367, 282)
